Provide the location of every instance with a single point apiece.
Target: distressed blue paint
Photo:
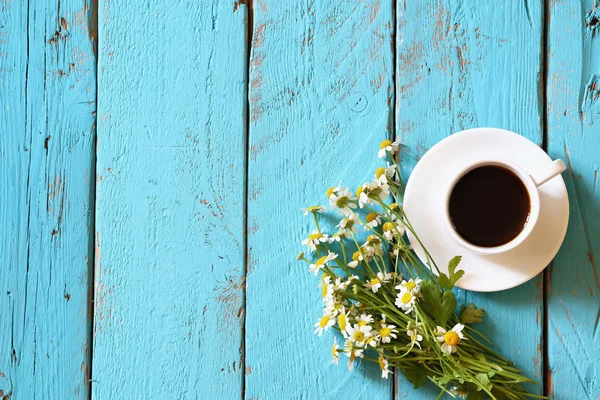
(47, 114)
(321, 95)
(170, 200)
(574, 135)
(462, 65)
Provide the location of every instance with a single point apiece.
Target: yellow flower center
(334, 353)
(358, 336)
(451, 338)
(324, 291)
(371, 217)
(385, 144)
(382, 363)
(355, 256)
(362, 322)
(373, 239)
(342, 321)
(359, 191)
(388, 226)
(330, 191)
(394, 206)
(379, 172)
(324, 321)
(410, 285)
(342, 202)
(406, 297)
(385, 332)
(321, 261)
(413, 337)
(314, 236)
(374, 281)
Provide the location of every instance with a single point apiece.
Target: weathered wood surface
(463, 65)
(170, 198)
(47, 115)
(573, 290)
(204, 161)
(321, 100)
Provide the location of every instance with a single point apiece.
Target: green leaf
(453, 264)
(471, 314)
(484, 380)
(416, 376)
(448, 306)
(444, 281)
(447, 281)
(439, 307)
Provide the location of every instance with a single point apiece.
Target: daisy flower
(324, 324)
(342, 320)
(450, 339)
(390, 170)
(337, 237)
(315, 239)
(387, 146)
(373, 285)
(343, 200)
(405, 300)
(352, 351)
(360, 335)
(387, 333)
(372, 220)
(349, 224)
(391, 229)
(321, 262)
(380, 174)
(379, 189)
(334, 304)
(364, 319)
(372, 247)
(356, 258)
(413, 333)
(313, 209)
(326, 288)
(412, 285)
(334, 352)
(383, 363)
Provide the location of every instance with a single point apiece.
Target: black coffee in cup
(489, 206)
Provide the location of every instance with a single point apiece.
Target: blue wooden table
(155, 157)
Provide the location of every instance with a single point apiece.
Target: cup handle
(544, 175)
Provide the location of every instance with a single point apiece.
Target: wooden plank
(47, 116)
(573, 290)
(462, 65)
(170, 200)
(321, 93)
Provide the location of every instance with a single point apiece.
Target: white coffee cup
(531, 183)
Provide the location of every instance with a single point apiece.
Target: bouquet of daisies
(391, 309)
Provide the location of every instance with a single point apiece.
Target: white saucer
(424, 206)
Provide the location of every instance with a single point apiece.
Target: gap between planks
(547, 273)
(92, 23)
(249, 36)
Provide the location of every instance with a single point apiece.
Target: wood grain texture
(321, 94)
(463, 65)
(573, 89)
(47, 115)
(170, 192)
